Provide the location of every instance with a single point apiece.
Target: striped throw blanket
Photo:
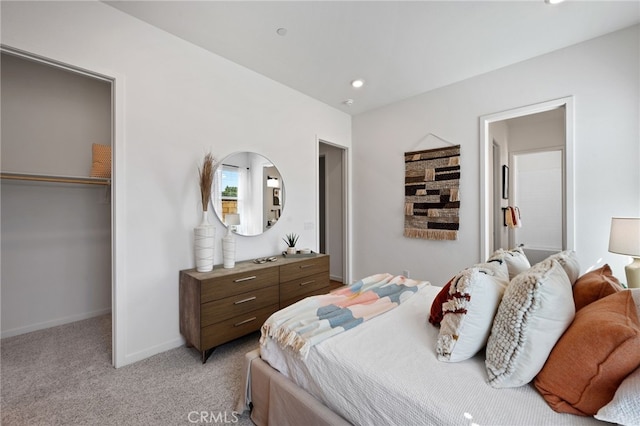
(310, 321)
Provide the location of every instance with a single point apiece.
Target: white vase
(229, 250)
(203, 243)
(291, 250)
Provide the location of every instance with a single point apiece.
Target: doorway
(519, 148)
(70, 106)
(333, 208)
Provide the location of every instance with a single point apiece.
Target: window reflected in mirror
(248, 185)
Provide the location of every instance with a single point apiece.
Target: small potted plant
(291, 240)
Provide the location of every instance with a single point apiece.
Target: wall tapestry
(431, 187)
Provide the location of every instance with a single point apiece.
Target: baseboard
(53, 323)
(335, 278)
(154, 350)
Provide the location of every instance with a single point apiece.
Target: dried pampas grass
(206, 179)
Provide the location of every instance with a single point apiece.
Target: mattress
(385, 371)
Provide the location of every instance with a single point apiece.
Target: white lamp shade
(625, 236)
(232, 219)
(273, 182)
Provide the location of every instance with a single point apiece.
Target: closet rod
(52, 178)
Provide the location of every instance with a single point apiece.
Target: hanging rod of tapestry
(431, 136)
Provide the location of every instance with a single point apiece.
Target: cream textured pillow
(474, 296)
(624, 409)
(569, 261)
(515, 259)
(536, 309)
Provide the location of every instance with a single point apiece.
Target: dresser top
(249, 265)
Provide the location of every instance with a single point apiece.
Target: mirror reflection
(528, 155)
(248, 193)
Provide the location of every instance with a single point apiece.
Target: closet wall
(56, 237)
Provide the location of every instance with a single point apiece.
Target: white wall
(602, 75)
(56, 238)
(176, 102)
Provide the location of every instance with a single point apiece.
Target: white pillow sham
(536, 309)
(624, 408)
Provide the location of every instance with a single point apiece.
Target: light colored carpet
(63, 376)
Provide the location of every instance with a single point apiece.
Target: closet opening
(56, 192)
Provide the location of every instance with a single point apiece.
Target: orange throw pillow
(101, 161)
(592, 358)
(595, 285)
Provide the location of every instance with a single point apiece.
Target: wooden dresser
(224, 304)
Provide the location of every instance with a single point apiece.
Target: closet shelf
(55, 178)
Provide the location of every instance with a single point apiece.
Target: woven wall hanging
(431, 187)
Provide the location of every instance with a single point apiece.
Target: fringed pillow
(515, 259)
(536, 309)
(474, 297)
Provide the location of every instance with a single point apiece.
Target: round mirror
(248, 193)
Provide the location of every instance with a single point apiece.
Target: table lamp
(229, 241)
(625, 239)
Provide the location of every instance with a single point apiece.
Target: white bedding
(382, 372)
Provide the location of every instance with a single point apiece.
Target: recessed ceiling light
(357, 83)
(281, 31)
(553, 1)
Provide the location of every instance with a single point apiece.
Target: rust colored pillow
(436, 307)
(592, 358)
(595, 285)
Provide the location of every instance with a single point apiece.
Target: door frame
(346, 202)
(118, 231)
(486, 169)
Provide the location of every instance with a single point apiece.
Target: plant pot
(291, 250)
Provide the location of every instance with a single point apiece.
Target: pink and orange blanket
(306, 323)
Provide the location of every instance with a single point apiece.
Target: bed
(404, 382)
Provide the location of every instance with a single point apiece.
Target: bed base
(276, 400)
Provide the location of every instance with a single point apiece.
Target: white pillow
(624, 408)
(569, 261)
(536, 309)
(515, 259)
(467, 316)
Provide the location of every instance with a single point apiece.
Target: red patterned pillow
(436, 307)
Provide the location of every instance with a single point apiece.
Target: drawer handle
(305, 266)
(248, 299)
(244, 322)
(308, 282)
(239, 280)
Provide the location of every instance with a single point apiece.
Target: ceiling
(400, 48)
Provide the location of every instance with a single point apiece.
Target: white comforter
(385, 372)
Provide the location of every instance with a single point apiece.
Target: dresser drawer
(290, 301)
(229, 307)
(304, 285)
(234, 284)
(235, 327)
(304, 268)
